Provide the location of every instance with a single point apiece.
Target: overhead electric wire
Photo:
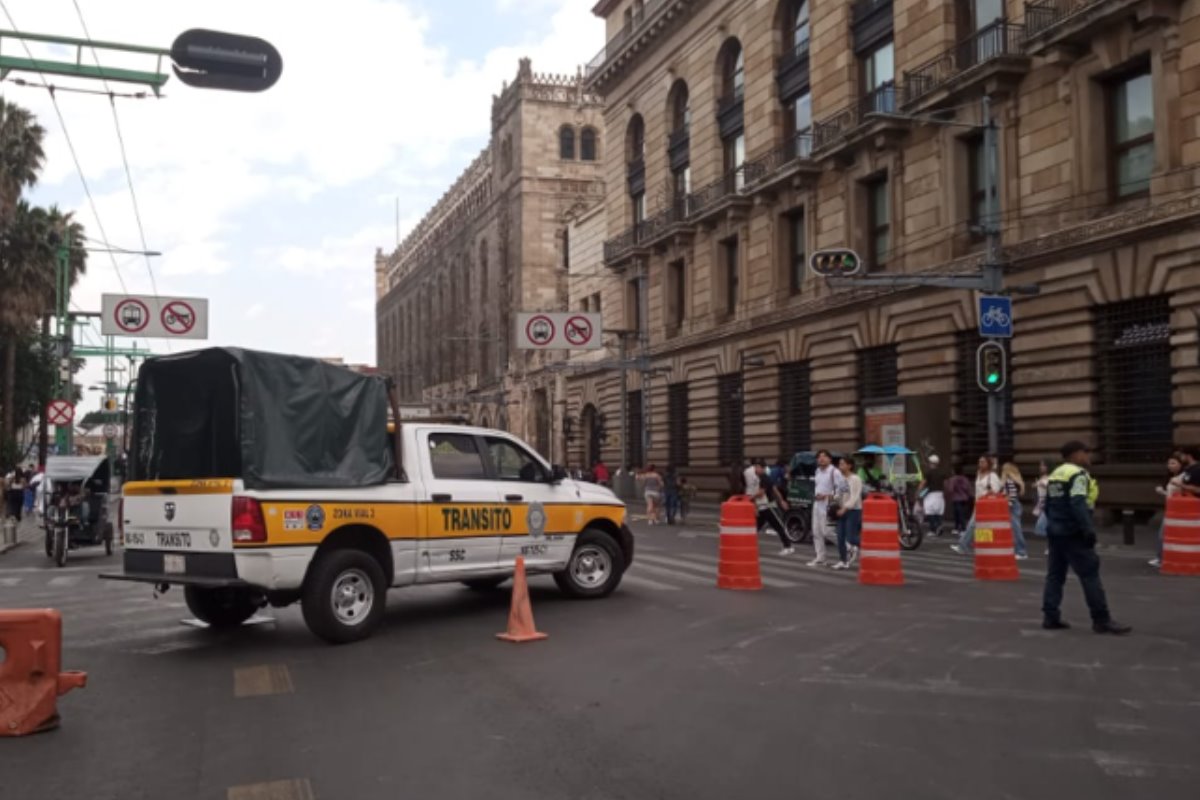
(70, 145)
(137, 214)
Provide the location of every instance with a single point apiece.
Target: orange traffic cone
(520, 615)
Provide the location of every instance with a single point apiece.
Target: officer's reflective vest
(1068, 483)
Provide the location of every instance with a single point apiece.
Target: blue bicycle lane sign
(995, 316)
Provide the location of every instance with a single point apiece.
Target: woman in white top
(849, 515)
(987, 482)
(1173, 487)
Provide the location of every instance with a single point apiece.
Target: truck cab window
(455, 456)
(513, 463)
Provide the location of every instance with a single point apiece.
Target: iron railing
(795, 148)
(1000, 38)
(730, 184)
(881, 100)
(636, 23)
(794, 55)
(1042, 15)
(653, 226)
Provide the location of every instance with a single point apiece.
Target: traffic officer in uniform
(1072, 540)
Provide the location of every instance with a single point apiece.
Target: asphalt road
(814, 687)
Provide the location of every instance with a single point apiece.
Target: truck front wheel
(220, 608)
(344, 596)
(595, 568)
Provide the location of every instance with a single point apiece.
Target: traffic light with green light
(992, 367)
(836, 263)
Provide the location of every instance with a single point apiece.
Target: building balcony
(730, 115)
(727, 194)
(679, 145)
(789, 164)
(1073, 24)
(629, 43)
(992, 59)
(654, 231)
(874, 116)
(635, 173)
(792, 74)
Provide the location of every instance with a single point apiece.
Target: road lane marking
(299, 789)
(261, 680)
(709, 570)
(792, 570)
(646, 583)
(685, 577)
(63, 581)
(10, 581)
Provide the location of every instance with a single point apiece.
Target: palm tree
(21, 156)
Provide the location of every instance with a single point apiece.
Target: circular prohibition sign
(60, 412)
(578, 331)
(540, 330)
(178, 317)
(131, 315)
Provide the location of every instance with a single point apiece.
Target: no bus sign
(552, 330)
(154, 316)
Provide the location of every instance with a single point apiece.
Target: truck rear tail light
(248, 525)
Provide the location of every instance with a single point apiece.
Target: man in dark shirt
(1072, 540)
(1191, 470)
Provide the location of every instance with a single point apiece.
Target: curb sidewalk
(27, 531)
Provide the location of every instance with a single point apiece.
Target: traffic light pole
(993, 270)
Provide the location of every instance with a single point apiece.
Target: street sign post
(559, 331)
(152, 316)
(995, 316)
(60, 412)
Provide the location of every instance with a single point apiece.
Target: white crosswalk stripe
(646, 583)
(921, 567)
(64, 581)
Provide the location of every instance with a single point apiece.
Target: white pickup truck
(448, 503)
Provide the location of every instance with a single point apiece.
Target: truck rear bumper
(173, 579)
(276, 569)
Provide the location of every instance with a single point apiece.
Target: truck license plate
(174, 565)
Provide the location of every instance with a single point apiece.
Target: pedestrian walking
(1014, 487)
(600, 473)
(1039, 510)
(737, 480)
(1072, 539)
(652, 490)
(767, 502)
(1190, 477)
(671, 494)
(1172, 487)
(932, 494)
(825, 489)
(849, 515)
(958, 491)
(987, 482)
(15, 496)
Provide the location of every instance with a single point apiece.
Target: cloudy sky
(271, 205)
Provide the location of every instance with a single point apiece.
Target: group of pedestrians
(1183, 478)
(1007, 483)
(666, 494)
(20, 486)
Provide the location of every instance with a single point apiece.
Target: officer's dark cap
(1072, 447)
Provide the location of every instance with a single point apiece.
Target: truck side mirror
(557, 474)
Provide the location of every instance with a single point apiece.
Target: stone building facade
(495, 244)
(747, 134)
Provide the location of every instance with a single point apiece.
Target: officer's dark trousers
(1074, 553)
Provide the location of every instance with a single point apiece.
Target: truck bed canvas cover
(275, 421)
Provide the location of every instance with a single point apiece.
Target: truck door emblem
(536, 518)
(169, 511)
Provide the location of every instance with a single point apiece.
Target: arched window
(587, 144)
(681, 110)
(799, 26)
(635, 139)
(566, 143)
(733, 71)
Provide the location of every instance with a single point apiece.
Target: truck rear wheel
(221, 607)
(595, 568)
(344, 596)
